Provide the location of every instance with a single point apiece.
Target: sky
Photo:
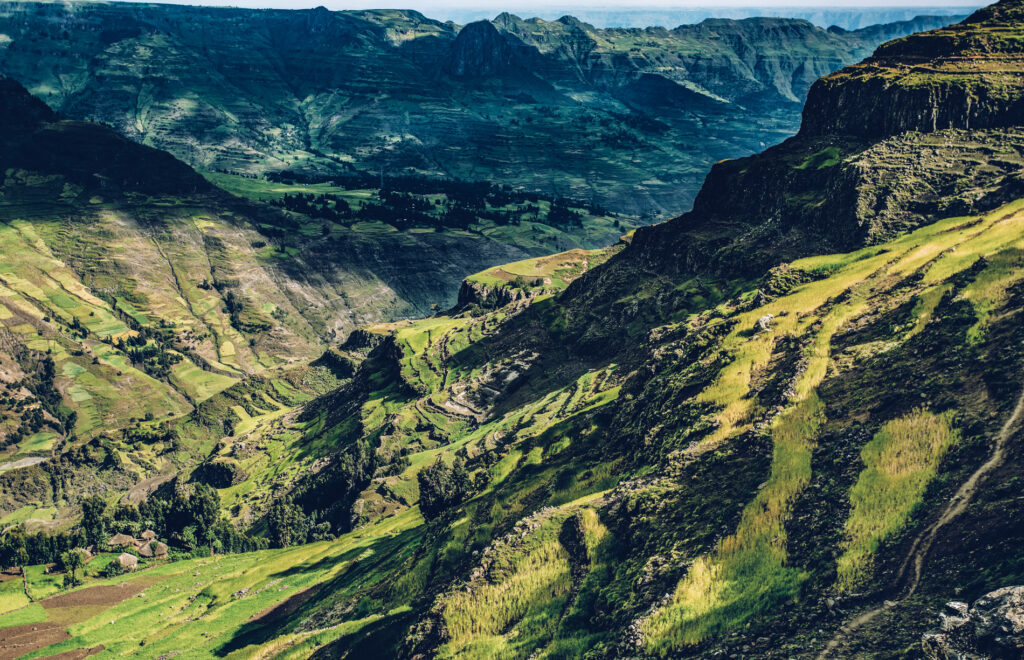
(500, 5)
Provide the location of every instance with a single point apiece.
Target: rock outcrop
(479, 51)
(991, 628)
(489, 297)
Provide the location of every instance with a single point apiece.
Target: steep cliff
(882, 150)
(969, 76)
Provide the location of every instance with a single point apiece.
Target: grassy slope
(543, 459)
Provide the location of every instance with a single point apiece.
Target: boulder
(991, 628)
(764, 324)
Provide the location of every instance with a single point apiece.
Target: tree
(72, 561)
(94, 523)
(21, 557)
(11, 547)
(442, 487)
(288, 524)
(204, 506)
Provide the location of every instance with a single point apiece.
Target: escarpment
(882, 149)
(967, 76)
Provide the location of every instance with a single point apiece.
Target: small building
(128, 562)
(148, 535)
(152, 549)
(120, 539)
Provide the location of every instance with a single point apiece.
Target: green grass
(37, 443)
(899, 462)
(192, 606)
(12, 597)
(31, 613)
(827, 157)
(747, 574)
(42, 584)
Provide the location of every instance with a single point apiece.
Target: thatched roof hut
(148, 535)
(160, 550)
(120, 539)
(127, 561)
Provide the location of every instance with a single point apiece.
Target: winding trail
(921, 546)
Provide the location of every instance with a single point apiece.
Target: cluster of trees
(154, 359)
(325, 206)
(239, 318)
(32, 421)
(20, 549)
(17, 549)
(443, 486)
(402, 203)
(288, 525)
(150, 433)
(40, 371)
(148, 349)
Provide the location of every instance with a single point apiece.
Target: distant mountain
(628, 119)
(606, 16)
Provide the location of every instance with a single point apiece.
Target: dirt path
(923, 543)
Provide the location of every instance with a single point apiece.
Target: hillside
(135, 292)
(785, 424)
(628, 119)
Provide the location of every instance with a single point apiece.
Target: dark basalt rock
(480, 51)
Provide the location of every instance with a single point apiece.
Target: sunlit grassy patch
(899, 462)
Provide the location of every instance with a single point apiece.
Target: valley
(394, 411)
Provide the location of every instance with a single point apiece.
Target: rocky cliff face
(881, 151)
(479, 51)
(967, 76)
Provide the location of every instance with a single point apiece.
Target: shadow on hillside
(272, 622)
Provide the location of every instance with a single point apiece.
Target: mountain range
(786, 423)
(629, 119)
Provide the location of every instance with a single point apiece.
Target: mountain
(136, 289)
(629, 119)
(784, 424)
(847, 18)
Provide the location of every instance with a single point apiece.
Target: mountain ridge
(278, 90)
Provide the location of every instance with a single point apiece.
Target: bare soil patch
(21, 640)
(105, 595)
